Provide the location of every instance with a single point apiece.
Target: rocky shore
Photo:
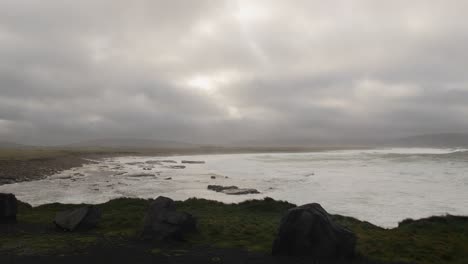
(34, 169)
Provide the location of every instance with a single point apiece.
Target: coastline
(29, 164)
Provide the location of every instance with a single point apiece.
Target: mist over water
(382, 186)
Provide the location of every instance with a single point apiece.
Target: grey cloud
(228, 71)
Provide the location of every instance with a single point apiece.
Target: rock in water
(8, 207)
(176, 167)
(163, 222)
(232, 190)
(83, 218)
(309, 231)
(193, 161)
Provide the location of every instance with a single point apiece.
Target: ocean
(382, 186)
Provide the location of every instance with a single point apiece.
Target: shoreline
(19, 165)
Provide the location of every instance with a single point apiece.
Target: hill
(448, 140)
(6, 144)
(130, 143)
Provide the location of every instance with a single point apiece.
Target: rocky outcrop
(232, 190)
(134, 163)
(139, 175)
(8, 207)
(153, 162)
(82, 218)
(163, 222)
(176, 167)
(309, 231)
(193, 161)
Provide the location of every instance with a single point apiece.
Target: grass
(249, 225)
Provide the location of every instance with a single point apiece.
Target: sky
(214, 71)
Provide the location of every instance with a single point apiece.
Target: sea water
(382, 186)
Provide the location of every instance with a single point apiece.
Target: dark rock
(134, 163)
(83, 218)
(213, 177)
(8, 207)
(138, 175)
(162, 221)
(7, 180)
(232, 190)
(193, 161)
(241, 191)
(169, 161)
(176, 167)
(309, 231)
(153, 162)
(168, 178)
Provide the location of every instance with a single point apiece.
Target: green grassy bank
(250, 225)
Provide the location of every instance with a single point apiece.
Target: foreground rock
(8, 207)
(162, 221)
(309, 231)
(193, 162)
(232, 190)
(83, 218)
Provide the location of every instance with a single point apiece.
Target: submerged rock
(193, 161)
(176, 167)
(138, 175)
(134, 163)
(8, 207)
(163, 222)
(232, 190)
(153, 162)
(308, 230)
(86, 217)
(169, 161)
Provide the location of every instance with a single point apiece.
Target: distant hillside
(4, 144)
(448, 140)
(131, 143)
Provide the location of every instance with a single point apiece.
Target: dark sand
(34, 169)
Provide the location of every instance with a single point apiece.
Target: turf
(249, 225)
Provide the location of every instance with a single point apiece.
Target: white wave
(367, 184)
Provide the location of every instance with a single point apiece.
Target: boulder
(176, 167)
(193, 161)
(308, 230)
(8, 207)
(139, 175)
(232, 190)
(153, 162)
(82, 218)
(162, 221)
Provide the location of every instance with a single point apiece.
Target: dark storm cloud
(217, 71)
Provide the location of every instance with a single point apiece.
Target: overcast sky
(228, 71)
